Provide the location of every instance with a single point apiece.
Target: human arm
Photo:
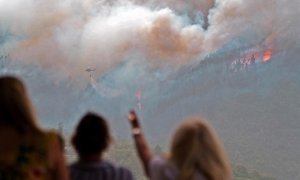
(141, 144)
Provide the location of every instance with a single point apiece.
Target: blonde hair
(15, 107)
(195, 149)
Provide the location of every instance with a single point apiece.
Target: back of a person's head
(195, 148)
(15, 107)
(92, 135)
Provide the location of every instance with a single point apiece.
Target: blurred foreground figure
(26, 151)
(195, 154)
(91, 139)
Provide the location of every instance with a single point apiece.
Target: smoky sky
(69, 36)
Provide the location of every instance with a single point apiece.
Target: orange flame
(267, 56)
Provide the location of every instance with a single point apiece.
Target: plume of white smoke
(70, 35)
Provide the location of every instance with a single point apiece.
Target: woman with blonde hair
(26, 151)
(195, 153)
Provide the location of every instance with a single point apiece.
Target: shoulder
(41, 140)
(158, 162)
(54, 139)
(120, 171)
(124, 172)
(55, 149)
(44, 137)
(106, 168)
(161, 168)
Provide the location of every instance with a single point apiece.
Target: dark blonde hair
(196, 149)
(15, 107)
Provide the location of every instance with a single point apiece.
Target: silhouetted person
(26, 151)
(195, 153)
(90, 140)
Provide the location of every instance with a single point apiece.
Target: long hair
(195, 149)
(15, 107)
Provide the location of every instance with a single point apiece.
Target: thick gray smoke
(70, 35)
